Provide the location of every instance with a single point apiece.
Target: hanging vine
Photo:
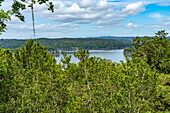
(33, 22)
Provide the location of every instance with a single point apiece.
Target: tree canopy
(70, 43)
(31, 81)
(155, 49)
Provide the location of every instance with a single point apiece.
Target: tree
(17, 6)
(4, 16)
(155, 50)
(29, 84)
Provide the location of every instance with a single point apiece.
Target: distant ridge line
(95, 37)
(119, 37)
(113, 37)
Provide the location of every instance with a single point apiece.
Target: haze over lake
(113, 55)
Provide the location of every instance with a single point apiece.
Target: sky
(91, 18)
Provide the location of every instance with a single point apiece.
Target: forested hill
(67, 43)
(113, 37)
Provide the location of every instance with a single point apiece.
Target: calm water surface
(114, 55)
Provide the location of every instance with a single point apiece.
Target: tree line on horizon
(68, 43)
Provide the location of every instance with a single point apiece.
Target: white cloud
(110, 22)
(134, 8)
(78, 14)
(58, 28)
(114, 18)
(156, 15)
(87, 11)
(162, 25)
(162, 2)
(86, 3)
(103, 3)
(166, 22)
(24, 29)
(157, 2)
(75, 8)
(70, 14)
(132, 25)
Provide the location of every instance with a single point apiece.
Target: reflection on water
(114, 55)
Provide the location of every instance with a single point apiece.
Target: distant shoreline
(76, 49)
(92, 50)
(71, 44)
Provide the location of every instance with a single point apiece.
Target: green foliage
(17, 6)
(98, 85)
(156, 50)
(71, 43)
(4, 17)
(128, 51)
(164, 93)
(31, 81)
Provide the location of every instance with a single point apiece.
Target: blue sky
(86, 18)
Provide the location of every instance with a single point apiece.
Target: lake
(114, 55)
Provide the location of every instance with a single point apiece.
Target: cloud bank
(70, 16)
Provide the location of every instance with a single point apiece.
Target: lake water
(114, 55)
